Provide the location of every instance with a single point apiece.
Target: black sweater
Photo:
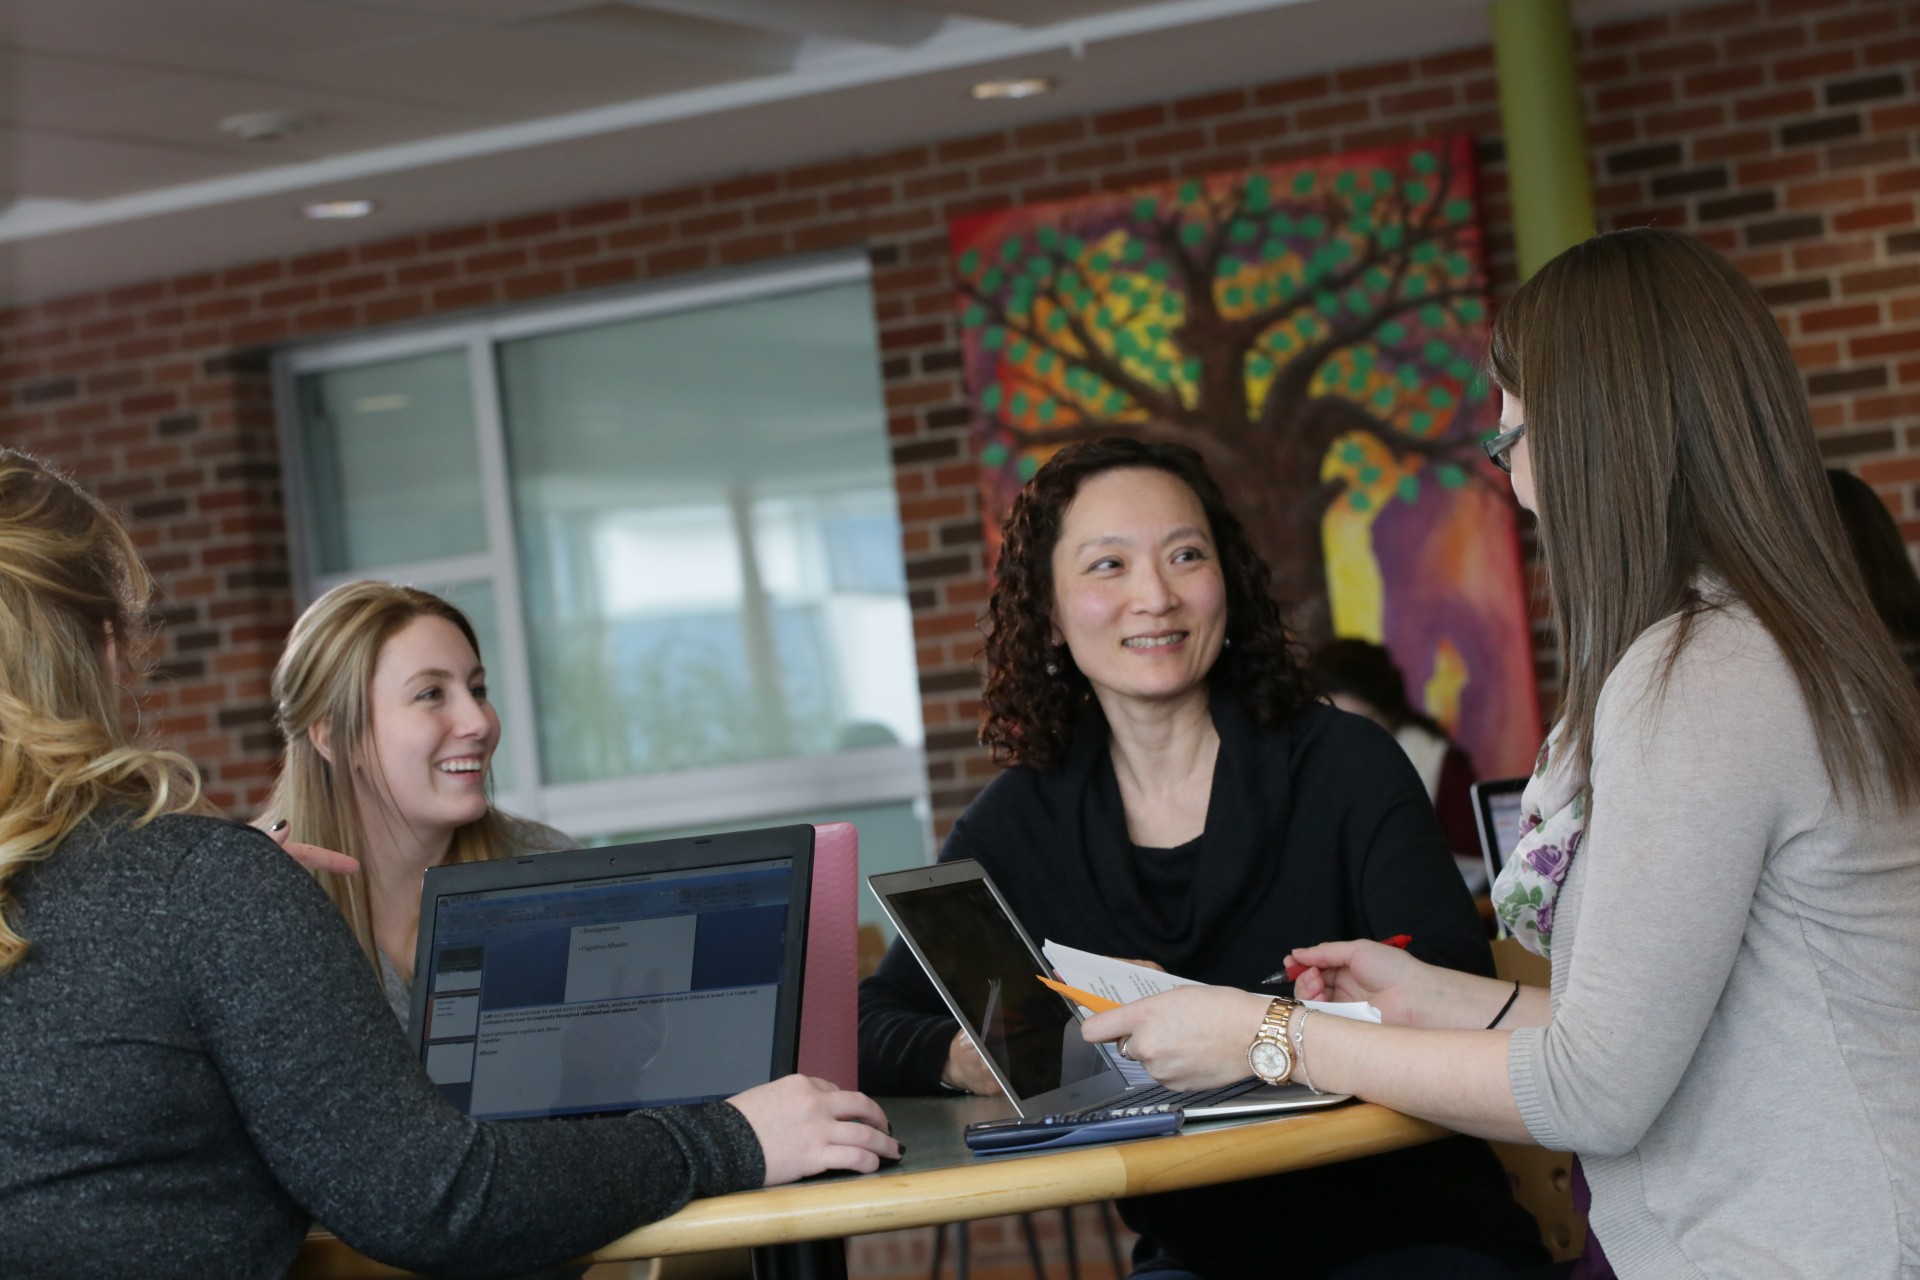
(1316, 830)
(194, 1063)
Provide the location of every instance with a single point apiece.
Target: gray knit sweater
(1735, 1044)
(193, 1064)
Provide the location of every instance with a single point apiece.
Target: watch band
(1271, 1053)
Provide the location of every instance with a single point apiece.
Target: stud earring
(1052, 668)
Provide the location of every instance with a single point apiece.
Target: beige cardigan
(1735, 1043)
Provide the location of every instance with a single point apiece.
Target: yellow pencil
(1086, 999)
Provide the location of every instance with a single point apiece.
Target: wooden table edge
(890, 1202)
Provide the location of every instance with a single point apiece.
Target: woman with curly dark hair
(1174, 793)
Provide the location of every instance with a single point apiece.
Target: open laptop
(984, 965)
(599, 981)
(1496, 811)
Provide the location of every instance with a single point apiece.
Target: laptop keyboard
(1157, 1098)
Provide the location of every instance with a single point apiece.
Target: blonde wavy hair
(323, 679)
(71, 581)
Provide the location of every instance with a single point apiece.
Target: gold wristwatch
(1271, 1055)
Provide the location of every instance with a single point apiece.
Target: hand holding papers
(1118, 982)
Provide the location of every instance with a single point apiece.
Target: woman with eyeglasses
(1175, 793)
(195, 1063)
(1721, 842)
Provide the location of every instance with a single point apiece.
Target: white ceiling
(113, 168)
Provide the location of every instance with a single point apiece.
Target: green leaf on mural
(1408, 489)
(1302, 183)
(1359, 501)
(1028, 465)
(1451, 476)
(994, 455)
(973, 317)
(1425, 162)
(1370, 474)
(1145, 207)
(991, 397)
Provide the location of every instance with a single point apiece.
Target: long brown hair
(1669, 434)
(69, 578)
(323, 677)
(1029, 712)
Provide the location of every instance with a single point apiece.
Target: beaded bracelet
(1503, 1008)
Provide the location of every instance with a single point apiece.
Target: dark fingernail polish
(278, 826)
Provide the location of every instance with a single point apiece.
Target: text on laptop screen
(989, 971)
(605, 995)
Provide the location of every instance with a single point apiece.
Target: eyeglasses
(1500, 448)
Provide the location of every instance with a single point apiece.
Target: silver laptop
(985, 967)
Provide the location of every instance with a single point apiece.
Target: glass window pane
(393, 466)
(709, 544)
(893, 837)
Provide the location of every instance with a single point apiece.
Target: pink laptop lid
(828, 1044)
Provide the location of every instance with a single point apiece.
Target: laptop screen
(1497, 810)
(586, 996)
(968, 943)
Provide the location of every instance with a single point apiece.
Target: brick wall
(1782, 131)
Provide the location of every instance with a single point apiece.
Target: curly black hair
(1029, 714)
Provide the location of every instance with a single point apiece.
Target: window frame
(724, 796)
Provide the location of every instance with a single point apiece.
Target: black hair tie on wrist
(1503, 1008)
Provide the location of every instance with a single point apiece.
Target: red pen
(1293, 971)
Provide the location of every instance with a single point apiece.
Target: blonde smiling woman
(195, 1063)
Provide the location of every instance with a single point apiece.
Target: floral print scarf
(1553, 823)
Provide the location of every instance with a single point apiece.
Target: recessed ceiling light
(338, 210)
(1018, 87)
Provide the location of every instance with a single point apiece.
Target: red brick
(640, 237)
(1745, 44)
(1209, 105)
(1358, 79)
(1303, 89)
(567, 250)
(1051, 133)
(1716, 17)
(1130, 120)
(961, 150)
(1769, 106)
(1632, 97)
(1169, 144)
(1807, 195)
(1776, 168)
(394, 310)
(1869, 346)
(255, 273)
(389, 250)
(1881, 280)
(672, 201)
(316, 263)
(494, 262)
(753, 186)
(1889, 52)
(1889, 119)
(1828, 62)
(460, 297)
(1673, 57)
(672, 261)
(1856, 316)
(456, 238)
(1897, 181)
(765, 244)
(1875, 217)
(1477, 58)
(538, 224)
(1686, 120)
(595, 215)
(1636, 32)
(1332, 117)
(1868, 22)
(1728, 145)
(1255, 129)
(1008, 172)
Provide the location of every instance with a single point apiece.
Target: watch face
(1270, 1061)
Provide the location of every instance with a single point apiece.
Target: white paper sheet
(1119, 980)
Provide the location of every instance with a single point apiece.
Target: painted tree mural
(1314, 330)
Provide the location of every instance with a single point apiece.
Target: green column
(1546, 142)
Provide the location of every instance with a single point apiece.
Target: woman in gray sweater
(1721, 843)
(194, 1064)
